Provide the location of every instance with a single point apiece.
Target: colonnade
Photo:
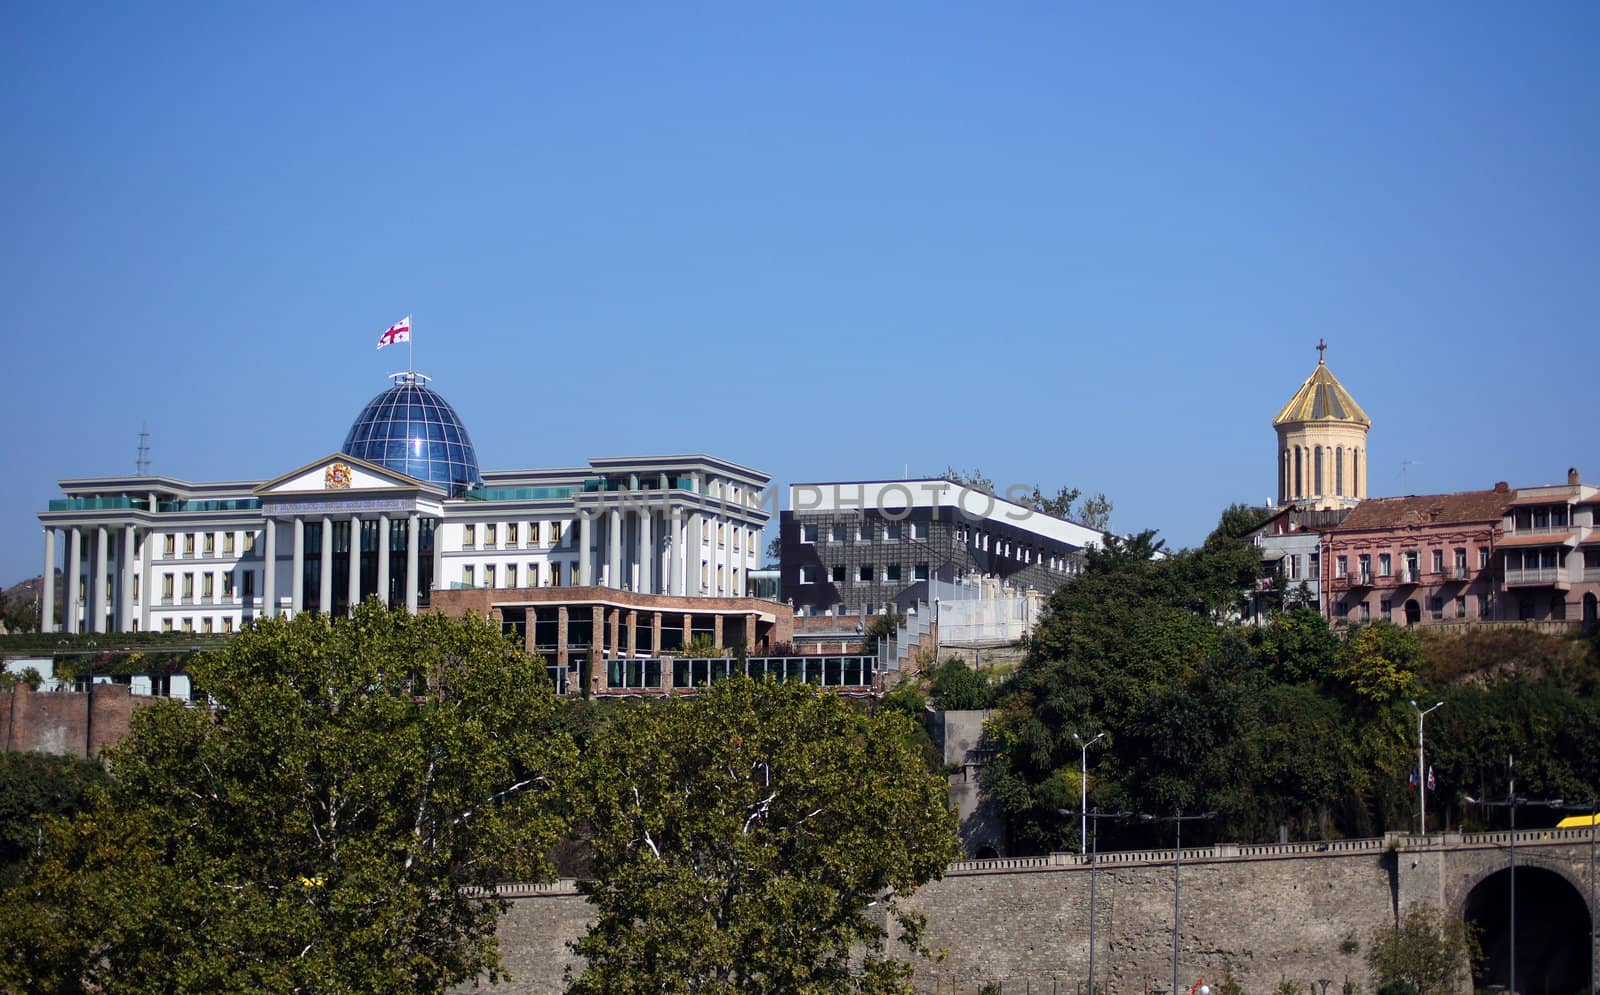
(658, 551)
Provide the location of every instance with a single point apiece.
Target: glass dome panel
(409, 428)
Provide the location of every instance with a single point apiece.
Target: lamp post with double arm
(1177, 820)
(1513, 802)
(1422, 771)
(1083, 788)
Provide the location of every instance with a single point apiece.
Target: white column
(383, 559)
(585, 564)
(355, 562)
(647, 554)
(98, 591)
(125, 585)
(146, 585)
(74, 570)
(674, 557)
(692, 551)
(412, 525)
(269, 572)
(614, 542)
(47, 596)
(325, 588)
(297, 582)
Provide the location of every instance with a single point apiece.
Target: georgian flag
(400, 331)
(1432, 784)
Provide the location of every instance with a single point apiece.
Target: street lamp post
(1094, 867)
(1422, 771)
(1177, 877)
(1083, 788)
(1513, 802)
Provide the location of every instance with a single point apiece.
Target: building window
(808, 533)
(136, 588)
(250, 541)
(488, 575)
(1338, 470)
(891, 573)
(864, 573)
(919, 572)
(1342, 609)
(1385, 566)
(188, 625)
(210, 544)
(249, 582)
(489, 535)
(1316, 474)
(1291, 567)
(511, 571)
(891, 531)
(1341, 566)
(1461, 562)
(1483, 557)
(737, 534)
(808, 575)
(1485, 605)
(1412, 561)
(864, 532)
(205, 626)
(1436, 607)
(227, 585)
(166, 589)
(1366, 611)
(1461, 606)
(206, 585)
(721, 539)
(1365, 561)
(837, 533)
(1386, 606)
(166, 625)
(169, 547)
(469, 537)
(555, 533)
(469, 576)
(836, 575)
(227, 625)
(1298, 476)
(227, 544)
(555, 575)
(188, 544)
(721, 588)
(188, 587)
(1355, 473)
(1438, 561)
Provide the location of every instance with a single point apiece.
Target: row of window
(208, 626)
(1304, 465)
(866, 573)
(1438, 609)
(1412, 562)
(210, 584)
(539, 534)
(507, 575)
(865, 531)
(207, 543)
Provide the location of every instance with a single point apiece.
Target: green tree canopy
(1428, 950)
(325, 828)
(741, 837)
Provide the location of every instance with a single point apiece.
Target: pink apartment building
(1549, 552)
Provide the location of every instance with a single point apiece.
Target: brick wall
(60, 722)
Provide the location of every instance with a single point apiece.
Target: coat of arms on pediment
(336, 477)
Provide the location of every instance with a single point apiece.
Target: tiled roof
(1462, 507)
(1322, 398)
(1517, 540)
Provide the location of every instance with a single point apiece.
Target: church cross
(1321, 347)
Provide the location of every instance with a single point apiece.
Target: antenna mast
(141, 465)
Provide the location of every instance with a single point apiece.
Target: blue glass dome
(411, 429)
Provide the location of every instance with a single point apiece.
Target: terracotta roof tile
(1517, 540)
(1426, 509)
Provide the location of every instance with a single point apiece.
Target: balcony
(1408, 577)
(1537, 577)
(1353, 580)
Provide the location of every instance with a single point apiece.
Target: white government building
(400, 510)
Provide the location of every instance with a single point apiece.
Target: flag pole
(411, 366)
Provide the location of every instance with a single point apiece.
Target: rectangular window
(469, 537)
(249, 582)
(469, 576)
(920, 572)
(919, 530)
(250, 541)
(1291, 567)
(1341, 566)
(891, 531)
(227, 625)
(488, 575)
(1436, 607)
(1366, 611)
(705, 575)
(1461, 606)
(188, 544)
(864, 532)
(511, 534)
(555, 574)
(737, 532)
(227, 585)
(864, 573)
(209, 544)
(891, 573)
(1366, 566)
(808, 533)
(166, 589)
(227, 544)
(1438, 561)
(1387, 606)
(721, 538)
(721, 588)
(534, 528)
(188, 625)
(1412, 562)
(511, 571)
(489, 533)
(1384, 565)
(166, 625)
(136, 588)
(836, 575)
(808, 575)
(169, 548)
(188, 587)
(1483, 557)
(1461, 561)
(207, 583)
(205, 626)
(837, 533)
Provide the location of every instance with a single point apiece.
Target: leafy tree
(1379, 662)
(1067, 502)
(741, 836)
(1427, 949)
(774, 550)
(326, 828)
(34, 785)
(879, 628)
(958, 686)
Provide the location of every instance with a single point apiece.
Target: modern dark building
(855, 546)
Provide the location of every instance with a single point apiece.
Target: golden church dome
(1322, 398)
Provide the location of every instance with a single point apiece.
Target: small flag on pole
(1432, 784)
(1411, 782)
(400, 331)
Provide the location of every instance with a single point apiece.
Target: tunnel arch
(1554, 928)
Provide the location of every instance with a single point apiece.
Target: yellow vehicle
(1578, 821)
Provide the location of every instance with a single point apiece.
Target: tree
(958, 686)
(741, 836)
(775, 550)
(880, 627)
(326, 827)
(34, 785)
(1427, 949)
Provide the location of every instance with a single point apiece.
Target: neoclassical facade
(1322, 444)
(399, 512)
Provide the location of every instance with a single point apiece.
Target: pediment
(340, 473)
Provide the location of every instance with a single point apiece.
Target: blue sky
(1060, 242)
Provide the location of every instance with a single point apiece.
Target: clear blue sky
(1057, 242)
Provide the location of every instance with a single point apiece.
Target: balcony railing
(1457, 571)
(1534, 577)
